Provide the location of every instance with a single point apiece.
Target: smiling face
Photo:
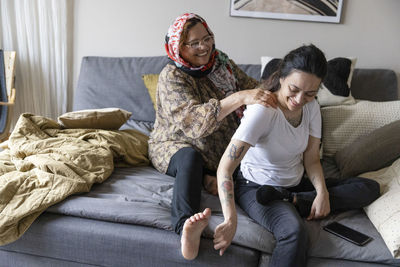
(201, 55)
(297, 89)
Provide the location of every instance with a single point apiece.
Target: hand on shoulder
(259, 96)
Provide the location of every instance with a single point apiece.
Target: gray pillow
(371, 152)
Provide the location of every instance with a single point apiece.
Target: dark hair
(306, 58)
(190, 23)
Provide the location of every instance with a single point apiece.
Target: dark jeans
(282, 219)
(187, 166)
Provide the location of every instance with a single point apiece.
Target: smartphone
(347, 233)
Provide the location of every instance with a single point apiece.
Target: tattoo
(235, 152)
(294, 121)
(227, 188)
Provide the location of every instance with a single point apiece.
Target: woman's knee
(295, 232)
(369, 190)
(289, 228)
(186, 160)
(372, 188)
(190, 159)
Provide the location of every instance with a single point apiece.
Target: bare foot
(192, 229)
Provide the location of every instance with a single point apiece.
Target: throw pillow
(343, 124)
(106, 118)
(371, 152)
(268, 66)
(335, 88)
(384, 212)
(150, 81)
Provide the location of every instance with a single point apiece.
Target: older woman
(200, 95)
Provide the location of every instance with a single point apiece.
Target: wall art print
(307, 10)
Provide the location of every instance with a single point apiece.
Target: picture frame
(302, 10)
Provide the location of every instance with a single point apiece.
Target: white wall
(369, 30)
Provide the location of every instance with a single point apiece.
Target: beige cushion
(384, 212)
(150, 81)
(106, 118)
(326, 98)
(371, 152)
(343, 124)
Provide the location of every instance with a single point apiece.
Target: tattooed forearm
(235, 152)
(227, 189)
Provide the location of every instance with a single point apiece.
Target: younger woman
(280, 177)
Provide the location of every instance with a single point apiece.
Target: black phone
(347, 233)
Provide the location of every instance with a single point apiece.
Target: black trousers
(187, 166)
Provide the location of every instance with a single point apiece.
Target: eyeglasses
(196, 44)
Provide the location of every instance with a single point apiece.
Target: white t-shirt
(276, 153)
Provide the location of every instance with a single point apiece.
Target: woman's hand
(224, 234)
(259, 96)
(210, 184)
(320, 207)
(246, 97)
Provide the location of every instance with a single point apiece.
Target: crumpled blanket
(44, 163)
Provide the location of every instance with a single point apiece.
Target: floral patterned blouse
(186, 116)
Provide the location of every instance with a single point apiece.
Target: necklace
(294, 118)
(295, 121)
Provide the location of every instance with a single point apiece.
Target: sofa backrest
(374, 85)
(117, 82)
(367, 84)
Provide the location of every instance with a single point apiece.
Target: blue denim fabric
(284, 221)
(278, 217)
(344, 194)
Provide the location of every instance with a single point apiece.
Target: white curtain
(37, 31)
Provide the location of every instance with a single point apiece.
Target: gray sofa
(125, 221)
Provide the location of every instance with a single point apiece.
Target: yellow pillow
(106, 118)
(150, 81)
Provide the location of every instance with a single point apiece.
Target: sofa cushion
(268, 66)
(343, 124)
(106, 118)
(371, 152)
(384, 212)
(117, 82)
(335, 89)
(144, 127)
(148, 193)
(374, 85)
(84, 242)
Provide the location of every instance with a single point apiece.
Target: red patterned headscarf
(172, 43)
(218, 69)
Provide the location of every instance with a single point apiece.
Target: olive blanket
(43, 163)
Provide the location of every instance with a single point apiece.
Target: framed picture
(308, 10)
